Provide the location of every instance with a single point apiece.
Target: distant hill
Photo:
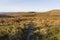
(20, 14)
(54, 12)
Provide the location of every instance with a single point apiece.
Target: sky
(28, 5)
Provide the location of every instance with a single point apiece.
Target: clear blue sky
(28, 5)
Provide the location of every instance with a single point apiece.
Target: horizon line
(31, 11)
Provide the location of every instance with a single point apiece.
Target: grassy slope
(51, 17)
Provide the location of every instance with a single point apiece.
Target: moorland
(30, 25)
